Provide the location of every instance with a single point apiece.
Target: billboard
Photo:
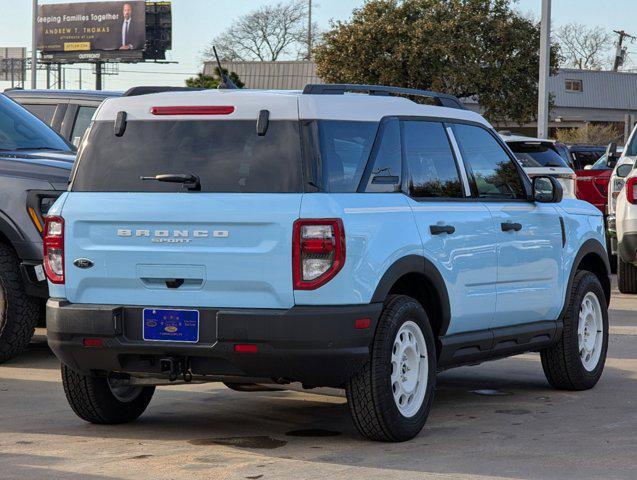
(115, 27)
(12, 64)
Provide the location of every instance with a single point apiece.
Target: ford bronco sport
(342, 236)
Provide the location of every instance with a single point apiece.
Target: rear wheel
(577, 361)
(626, 276)
(391, 396)
(19, 312)
(104, 400)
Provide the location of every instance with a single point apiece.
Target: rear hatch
(227, 244)
(541, 158)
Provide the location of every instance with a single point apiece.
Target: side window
(493, 170)
(344, 148)
(432, 170)
(384, 175)
(43, 112)
(82, 121)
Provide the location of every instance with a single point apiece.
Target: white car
(622, 202)
(539, 157)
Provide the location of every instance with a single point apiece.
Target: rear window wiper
(190, 181)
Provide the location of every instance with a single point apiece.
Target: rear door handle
(508, 226)
(439, 229)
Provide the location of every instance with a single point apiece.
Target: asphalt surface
(499, 420)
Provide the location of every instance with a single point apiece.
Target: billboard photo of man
(131, 36)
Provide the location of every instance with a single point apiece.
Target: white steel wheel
(590, 331)
(409, 369)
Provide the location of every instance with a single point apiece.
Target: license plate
(162, 325)
(619, 184)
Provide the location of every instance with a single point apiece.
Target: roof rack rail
(134, 91)
(442, 99)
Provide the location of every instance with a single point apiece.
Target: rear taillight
(54, 249)
(631, 190)
(318, 251)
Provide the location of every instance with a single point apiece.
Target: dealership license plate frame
(176, 326)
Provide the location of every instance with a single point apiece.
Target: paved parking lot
(498, 420)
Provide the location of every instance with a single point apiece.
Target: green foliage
(596, 134)
(208, 81)
(469, 48)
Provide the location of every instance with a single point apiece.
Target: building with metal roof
(580, 97)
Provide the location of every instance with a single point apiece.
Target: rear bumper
(314, 345)
(627, 248)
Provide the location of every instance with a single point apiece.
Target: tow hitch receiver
(176, 366)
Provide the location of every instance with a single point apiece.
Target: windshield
(536, 154)
(601, 164)
(20, 130)
(227, 156)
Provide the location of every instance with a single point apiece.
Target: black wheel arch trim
(595, 247)
(10, 230)
(421, 265)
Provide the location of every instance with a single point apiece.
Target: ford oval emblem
(83, 263)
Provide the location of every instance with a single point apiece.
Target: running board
(476, 347)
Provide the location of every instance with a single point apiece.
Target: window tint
(432, 170)
(583, 158)
(228, 156)
(386, 167)
(20, 130)
(43, 112)
(82, 121)
(343, 151)
(494, 172)
(536, 154)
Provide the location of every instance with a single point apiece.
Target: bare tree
(583, 47)
(266, 34)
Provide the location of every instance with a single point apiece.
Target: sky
(196, 22)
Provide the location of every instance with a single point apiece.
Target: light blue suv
(342, 236)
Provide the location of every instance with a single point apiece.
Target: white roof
(282, 104)
(522, 138)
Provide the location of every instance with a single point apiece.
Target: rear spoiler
(135, 91)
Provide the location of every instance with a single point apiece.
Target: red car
(592, 182)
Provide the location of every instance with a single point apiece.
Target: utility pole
(309, 30)
(34, 46)
(545, 65)
(620, 53)
(98, 76)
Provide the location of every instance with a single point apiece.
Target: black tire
(19, 312)
(561, 362)
(92, 399)
(369, 392)
(626, 276)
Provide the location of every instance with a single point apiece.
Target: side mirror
(624, 170)
(547, 190)
(611, 151)
(612, 162)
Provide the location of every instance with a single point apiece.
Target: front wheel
(577, 361)
(391, 396)
(104, 400)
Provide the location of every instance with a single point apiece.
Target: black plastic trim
(594, 247)
(416, 264)
(315, 345)
(33, 286)
(442, 99)
(478, 346)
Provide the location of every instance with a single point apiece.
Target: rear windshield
(534, 155)
(227, 156)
